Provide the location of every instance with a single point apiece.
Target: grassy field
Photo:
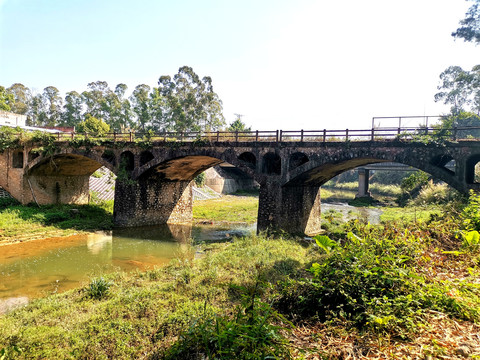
(228, 208)
(384, 292)
(21, 223)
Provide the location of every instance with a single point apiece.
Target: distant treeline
(185, 102)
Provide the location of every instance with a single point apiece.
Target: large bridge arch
(320, 169)
(60, 178)
(159, 191)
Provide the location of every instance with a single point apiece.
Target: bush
(200, 179)
(248, 335)
(98, 288)
(7, 202)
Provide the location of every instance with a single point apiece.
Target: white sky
(283, 64)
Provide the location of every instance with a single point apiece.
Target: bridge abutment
(56, 189)
(152, 202)
(293, 209)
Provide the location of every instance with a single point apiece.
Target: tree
(54, 105)
(190, 102)
(460, 120)
(458, 87)
(470, 25)
(37, 113)
(238, 125)
(72, 110)
(140, 101)
(23, 98)
(123, 112)
(6, 99)
(94, 98)
(93, 125)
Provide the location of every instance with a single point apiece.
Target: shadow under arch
(61, 178)
(162, 192)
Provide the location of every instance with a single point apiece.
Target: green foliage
(471, 213)
(471, 240)
(250, 334)
(98, 288)
(93, 126)
(7, 100)
(432, 193)
(6, 202)
(415, 180)
(200, 179)
(9, 138)
(238, 125)
(469, 29)
(325, 243)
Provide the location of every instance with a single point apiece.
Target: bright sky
(283, 64)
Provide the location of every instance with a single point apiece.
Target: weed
(98, 288)
(249, 334)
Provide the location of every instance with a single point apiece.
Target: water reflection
(36, 268)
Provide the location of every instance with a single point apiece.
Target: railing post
(256, 135)
(181, 135)
(455, 133)
(236, 135)
(398, 131)
(346, 135)
(373, 134)
(301, 135)
(114, 136)
(276, 136)
(218, 136)
(164, 135)
(131, 136)
(73, 135)
(280, 136)
(324, 135)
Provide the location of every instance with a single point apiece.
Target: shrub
(98, 288)
(248, 335)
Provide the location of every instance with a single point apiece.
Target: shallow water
(41, 267)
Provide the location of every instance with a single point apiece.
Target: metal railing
(373, 134)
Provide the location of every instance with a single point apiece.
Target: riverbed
(38, 268)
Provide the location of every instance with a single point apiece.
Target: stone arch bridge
(153, 184)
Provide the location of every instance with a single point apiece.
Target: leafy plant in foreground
(98, 288)
(250, 334)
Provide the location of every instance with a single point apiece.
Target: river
(38, 268)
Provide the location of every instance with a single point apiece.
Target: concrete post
(363, 192)
(293, 209)
(152, 201)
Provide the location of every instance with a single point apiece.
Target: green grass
(143, 312)
(228, 208)
(21, 222)
(379, 285)
(409, 214)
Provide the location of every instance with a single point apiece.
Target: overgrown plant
(98, 288)
(248, 334)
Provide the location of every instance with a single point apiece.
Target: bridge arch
(161, 190)
(320, 169)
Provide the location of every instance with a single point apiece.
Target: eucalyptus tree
(22, 96)
(6, 99)
(94, 99)
(457, 88)
(72, 109)
(54, 103)
(140, 100)
(191, 103)
(469, 29)
(37, 112)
